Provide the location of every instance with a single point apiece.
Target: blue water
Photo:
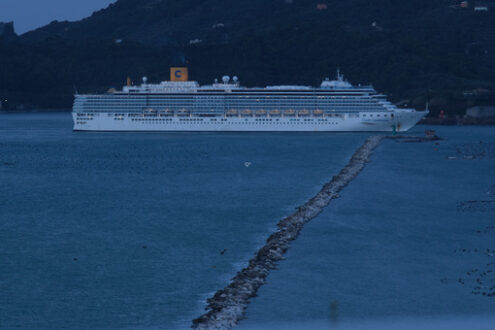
(399, 244)
(110, 230)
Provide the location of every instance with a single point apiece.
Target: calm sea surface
(410, 244)
(112, 231)
(125, 231)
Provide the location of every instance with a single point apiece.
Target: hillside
(411, 50)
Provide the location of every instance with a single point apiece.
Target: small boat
(304, 113)
(232, 112)
(275, 113)
(318, 113)
(289, 113)
(260, 113)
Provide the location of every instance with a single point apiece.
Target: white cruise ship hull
(186, 106)
(401, 121)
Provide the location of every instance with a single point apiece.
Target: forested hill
(411, 50)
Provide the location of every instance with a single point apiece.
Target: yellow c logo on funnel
(179, 74)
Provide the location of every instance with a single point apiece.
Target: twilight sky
(30, 14)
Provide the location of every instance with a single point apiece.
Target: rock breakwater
(227, 306)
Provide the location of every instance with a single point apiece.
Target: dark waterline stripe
(226, 308)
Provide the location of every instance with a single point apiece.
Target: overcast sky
(30, 14)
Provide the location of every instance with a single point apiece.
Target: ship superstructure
(181, 105)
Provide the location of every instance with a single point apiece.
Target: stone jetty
(227, 306)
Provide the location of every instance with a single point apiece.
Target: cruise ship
(182, 105)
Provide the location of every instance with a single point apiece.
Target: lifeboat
(150, 112)
(246, 112)
(318, 113)
(232, 112)
(260, 113)
(304, 113)
(289, 113)
(167, 113)
(183, 112)
(275, 113)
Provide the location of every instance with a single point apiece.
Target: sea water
(410, 243)
(137, 230)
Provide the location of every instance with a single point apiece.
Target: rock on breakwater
(227, 306)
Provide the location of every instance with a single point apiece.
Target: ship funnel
(129, 81)
(179, 74)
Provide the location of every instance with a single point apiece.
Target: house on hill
(482, 6)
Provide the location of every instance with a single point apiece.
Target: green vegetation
(411, 50)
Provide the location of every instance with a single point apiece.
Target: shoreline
(452, 121)
(26, 111)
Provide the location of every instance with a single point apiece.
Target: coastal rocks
(480, 280)
(478, 206)
(491, 192)
(475, 151)
(415, 139)
(227, 306)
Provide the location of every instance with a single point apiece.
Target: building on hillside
(482, 6)
(480, 103)
(481, 112)
(7, 31)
